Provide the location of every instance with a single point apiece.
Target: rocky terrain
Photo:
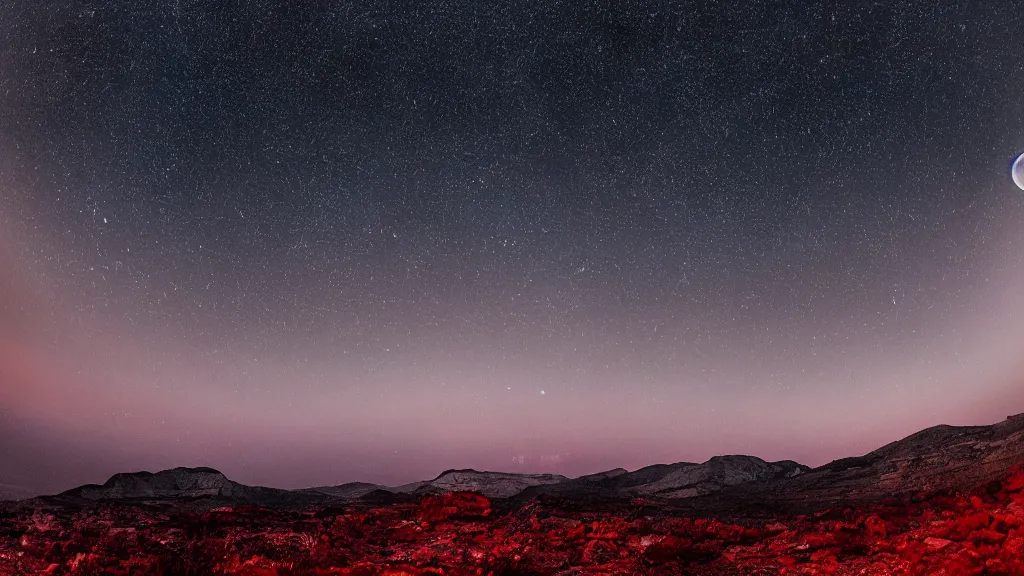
(465, 533)
(947, 500)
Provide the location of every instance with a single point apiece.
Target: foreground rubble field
(463, 533)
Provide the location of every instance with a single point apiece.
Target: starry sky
(308, 243)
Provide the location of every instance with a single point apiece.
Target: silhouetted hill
(490, 484)
(186, 484)
(938, 458)
(346, 491)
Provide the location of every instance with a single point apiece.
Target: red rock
(1006, 522)
(463, 504)
(1015, 483)
(912, 552)
(406, 533)
(577, 532)
(788, 561)
(667, 549)
(970, 523)
(981, 550)
(361, 569)
(988, 536)
(648, 540)
(815, 541)
(935, 544)
(598, 552)
(875, 527)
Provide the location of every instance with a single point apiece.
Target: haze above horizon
(306, 244)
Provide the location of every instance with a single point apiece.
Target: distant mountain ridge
(490, 484)
(187, 483)
(174, 483)
(674, 481)
(713, 475)
(937, 458)
(346, 491)
(12, 492)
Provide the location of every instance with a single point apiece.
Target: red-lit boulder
(967, 524)
(936, 544)
(461, 504)
(666, 549)
(874, 527)
(1015, 482)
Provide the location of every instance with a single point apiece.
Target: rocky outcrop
(935, 459)
(186, 484)
(720, 471)
(174, 483)
(490, 484)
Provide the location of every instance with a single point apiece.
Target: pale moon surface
(1018, 172)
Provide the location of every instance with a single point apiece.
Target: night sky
(308, 243)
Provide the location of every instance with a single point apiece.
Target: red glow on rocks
(462, 534)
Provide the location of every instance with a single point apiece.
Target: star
(674, 214)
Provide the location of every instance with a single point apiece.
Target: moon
(1018, 171)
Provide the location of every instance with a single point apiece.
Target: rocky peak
(490, 484)
(788, 468)
(686, 480)
(173, 483)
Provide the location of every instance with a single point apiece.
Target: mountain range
(12, 492)
(938, 458)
